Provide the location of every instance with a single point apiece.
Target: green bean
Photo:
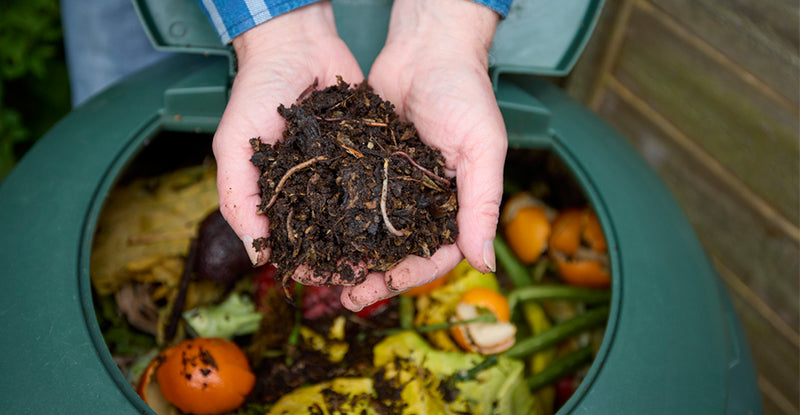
(472, 373)
(483, 318)
(539, 269)
(560, 368)
(294, 336)
(298, 315)
(406, 310)
(559, 332)
(515, 269)
(557, 292)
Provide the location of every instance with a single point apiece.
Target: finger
(350, 275)
(414, 271)
(373, 289)
(479, 174)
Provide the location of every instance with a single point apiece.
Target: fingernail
(251, 250)
(356, 306)
(435, 274)
(390, 283)
(488, 255)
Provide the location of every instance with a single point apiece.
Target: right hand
(277, 61)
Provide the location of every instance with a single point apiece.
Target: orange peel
(579, 249)
(483, 337)
(526, 225)
(202, 376)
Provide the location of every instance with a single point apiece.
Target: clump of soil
(351, 188)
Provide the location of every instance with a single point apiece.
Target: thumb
(237, 177)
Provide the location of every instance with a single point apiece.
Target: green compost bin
(673, 343)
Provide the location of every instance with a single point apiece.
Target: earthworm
(286, 177)
(386, 221)
(423, 169)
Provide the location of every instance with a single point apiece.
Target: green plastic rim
(115, 169)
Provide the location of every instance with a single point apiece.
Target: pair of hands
(433, 67)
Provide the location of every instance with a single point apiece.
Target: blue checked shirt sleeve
(500, 6)
(234, 17)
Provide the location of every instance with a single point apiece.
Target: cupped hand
(278, 61)
(434, 68)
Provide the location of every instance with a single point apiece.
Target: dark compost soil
(351, 184)
(300, 365)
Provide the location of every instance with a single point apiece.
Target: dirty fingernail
(251, 250)
(390, 283)
(355, 306)
(488, 255)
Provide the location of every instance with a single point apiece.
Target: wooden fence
(707, 91)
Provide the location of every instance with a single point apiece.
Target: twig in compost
(422, 169)
(374, 123)
(386, 221)
(289, 230)
(286, 177)
(330, 119)
(368, 123)
(372, 140)
(353, 152)
(285, 287)
(177, 307)
(342, 102)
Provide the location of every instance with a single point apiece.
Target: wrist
(462, 26)
(307, 24)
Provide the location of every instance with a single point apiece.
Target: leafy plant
(34, 91)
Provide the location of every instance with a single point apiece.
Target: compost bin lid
(539, 37)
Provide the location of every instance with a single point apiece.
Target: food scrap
(202, 376)
(517, 340)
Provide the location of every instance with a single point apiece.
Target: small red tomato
(321, 301)
(565, 387)
(374, 308)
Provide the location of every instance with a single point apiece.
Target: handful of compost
(350, 189)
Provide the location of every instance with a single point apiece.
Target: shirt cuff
(500, 6)
(231, 18)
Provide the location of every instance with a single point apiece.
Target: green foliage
(34, 91)
(11, 133)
